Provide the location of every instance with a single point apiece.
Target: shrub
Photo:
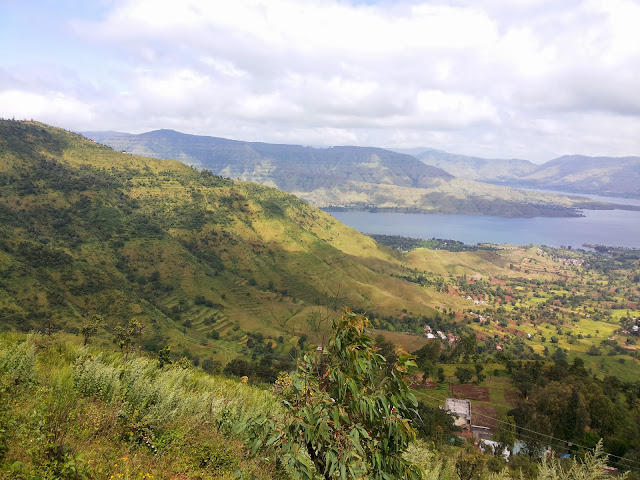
(345, 414)
(17, 363)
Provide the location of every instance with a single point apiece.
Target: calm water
(605, 227)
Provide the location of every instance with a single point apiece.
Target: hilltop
(345, 176)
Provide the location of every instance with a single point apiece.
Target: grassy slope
(74, 412)
(119, 235)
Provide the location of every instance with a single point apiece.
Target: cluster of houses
(476, 301)
(480, 317)
(570, 261)
(448, 337)
(482, 435)
(634, 329)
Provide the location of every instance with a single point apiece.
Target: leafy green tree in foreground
(345, 413)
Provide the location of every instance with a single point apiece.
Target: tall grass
(68, 412)
(168, 393)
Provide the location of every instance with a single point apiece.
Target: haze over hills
(346, 176)
(581, 174)
(476, 168)
(613, 176)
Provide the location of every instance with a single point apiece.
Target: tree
(210, 365)
(463, 374)
(345, 411)
(239, 368)
(594, 351)
(125, 337)
(427, 368)
(164, 357)
(523, 380)
(469, 466)
(577, 368)
(90, 328)
(434, 423)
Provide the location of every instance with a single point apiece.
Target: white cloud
(56, 108)
(487, 77)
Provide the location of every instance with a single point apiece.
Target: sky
(531, 79)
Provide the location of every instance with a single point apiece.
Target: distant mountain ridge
(344, 176)
(477, 168)
(613, 176)
(287, 166)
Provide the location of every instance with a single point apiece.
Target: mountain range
(345, 176)
(613, 176)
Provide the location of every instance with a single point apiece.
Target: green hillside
(200, 260)
(246, 275)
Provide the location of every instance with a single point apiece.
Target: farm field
(527, 302)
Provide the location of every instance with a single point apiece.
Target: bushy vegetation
(75, 412)
(69, 412)
(345, 413)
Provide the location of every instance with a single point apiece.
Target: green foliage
(91, 416)
(470, 466)
(463, 374)
(591, 468)
(90, 328)
(125, 336)
(164, 357)
(17, 364)
(345, 414)
(433, 423)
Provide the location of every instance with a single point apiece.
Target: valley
(167, 272)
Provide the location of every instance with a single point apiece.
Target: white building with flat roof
(461, 409)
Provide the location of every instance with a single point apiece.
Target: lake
(620, 228)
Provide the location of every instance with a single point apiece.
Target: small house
(461, 410)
